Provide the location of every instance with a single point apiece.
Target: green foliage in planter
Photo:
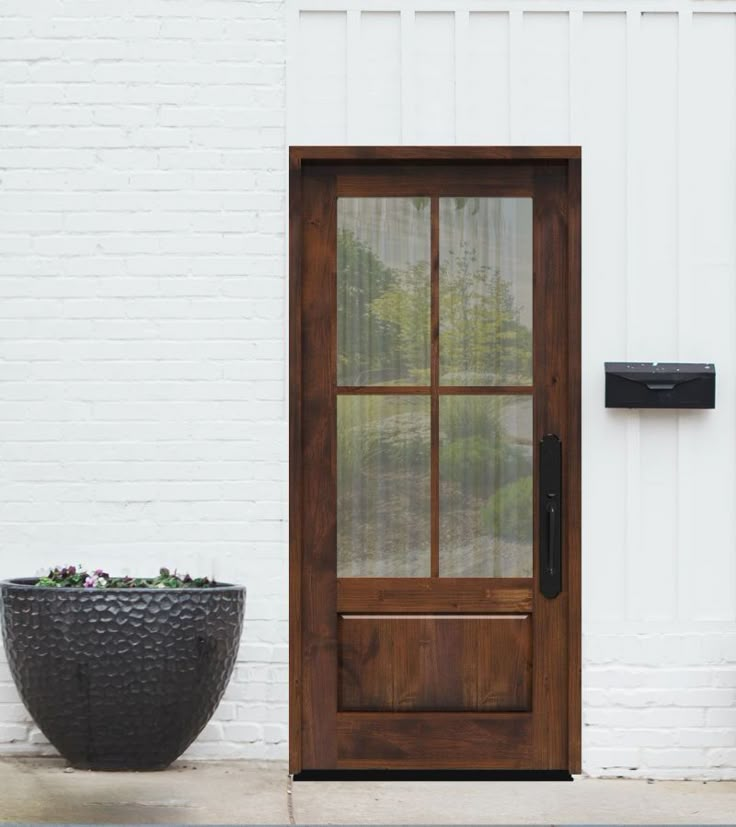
(78, 577)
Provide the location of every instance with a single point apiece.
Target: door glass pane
(486, 485)
(485, 291)
(383, 494)
(383, 291)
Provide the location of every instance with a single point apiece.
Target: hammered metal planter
(121, 679)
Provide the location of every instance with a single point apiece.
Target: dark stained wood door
(435, 458)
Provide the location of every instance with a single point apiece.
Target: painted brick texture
(142, 307)
(660, 705)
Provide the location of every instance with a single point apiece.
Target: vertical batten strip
(633, 465)
(682, 150)
(682, 153)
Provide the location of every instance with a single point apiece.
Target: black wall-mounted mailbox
(660, 385)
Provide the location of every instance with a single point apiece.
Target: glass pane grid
(435, 470)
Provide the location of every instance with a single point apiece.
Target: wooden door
(435, 459)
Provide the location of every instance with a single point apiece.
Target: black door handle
(550, 516)
(551, 544)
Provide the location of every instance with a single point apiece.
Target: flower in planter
(78, 577)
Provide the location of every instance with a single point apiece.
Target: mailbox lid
(660, 385)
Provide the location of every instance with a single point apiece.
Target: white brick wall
(142, 307)
(660, 704)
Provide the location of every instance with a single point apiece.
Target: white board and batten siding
(649, 92)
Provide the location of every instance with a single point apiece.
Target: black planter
(121, 679)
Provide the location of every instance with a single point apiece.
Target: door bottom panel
(415, 740)
(424, 663)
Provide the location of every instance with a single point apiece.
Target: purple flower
(90, 582)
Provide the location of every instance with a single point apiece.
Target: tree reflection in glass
(383, 511)
(383, 291)
(485, 291)
(486, 488)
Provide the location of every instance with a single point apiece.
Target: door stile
(319, 499)
(573, 560)
(434, 381)
(295, 463)
(549, 699)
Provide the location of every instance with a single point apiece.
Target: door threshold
(433, 775)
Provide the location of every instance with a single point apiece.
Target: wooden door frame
(301, 156)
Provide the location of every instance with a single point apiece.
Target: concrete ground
(241, 792)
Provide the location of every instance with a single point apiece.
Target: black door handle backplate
(550, 516)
